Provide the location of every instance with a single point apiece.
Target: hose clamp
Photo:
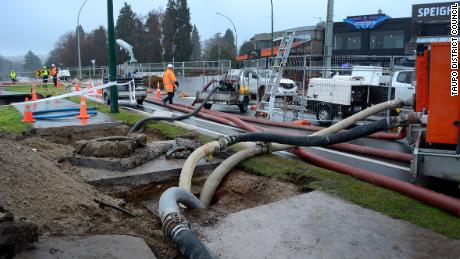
(171, 221)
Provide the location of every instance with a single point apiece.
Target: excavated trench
(59, 147)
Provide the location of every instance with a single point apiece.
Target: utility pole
(78, 39)
(112, 66)
(271, 1)
(328, 38)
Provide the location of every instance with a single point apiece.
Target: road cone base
(82, 117)
(26, 121)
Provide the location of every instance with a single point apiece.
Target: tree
(196, 52)
(227, 46)
(31, 61)
(130, 29)
(183, 34)
(65, 51)
(96, 47)
(246, 47)
(154, 50)
(169, 29)
(5, 66)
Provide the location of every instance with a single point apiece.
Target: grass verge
(11, 120)
(361, 193)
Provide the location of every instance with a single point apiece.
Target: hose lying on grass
(140, 123)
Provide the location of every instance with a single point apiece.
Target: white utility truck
(343, 95)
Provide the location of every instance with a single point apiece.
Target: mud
(39, 183)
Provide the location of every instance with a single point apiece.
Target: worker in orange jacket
(53, 73)
(170, 83)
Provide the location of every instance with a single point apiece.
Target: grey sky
(36, 25)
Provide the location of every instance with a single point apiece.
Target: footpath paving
(318, 225)
(99, 246)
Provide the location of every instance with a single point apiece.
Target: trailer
(228, 93)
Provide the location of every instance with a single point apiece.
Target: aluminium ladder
(266, 107)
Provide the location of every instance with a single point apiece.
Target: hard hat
(169, 66)
(52, 65)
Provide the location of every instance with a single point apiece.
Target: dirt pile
(33, 187)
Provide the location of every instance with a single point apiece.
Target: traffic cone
(99, 91)
(75, 88)
(28, 116)
(58, 83)
(91, 87)
(83, 111)
(158, 91)
(34, 93)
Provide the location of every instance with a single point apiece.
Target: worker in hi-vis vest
(170, 83)
(13, 76)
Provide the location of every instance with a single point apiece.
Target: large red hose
(417, 192)
(348, 147)
(422, 194)
(378, 135)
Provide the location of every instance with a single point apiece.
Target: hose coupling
(265, 146)
(172, 223)
(226, 141)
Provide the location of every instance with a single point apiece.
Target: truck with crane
(130, 85)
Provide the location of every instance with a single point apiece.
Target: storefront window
(347, 41)
(387, 40)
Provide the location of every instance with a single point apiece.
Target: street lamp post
(78, 39)
(271, 2)
(234, 28)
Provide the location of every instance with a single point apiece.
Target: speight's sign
(432, 12)
(364, 22)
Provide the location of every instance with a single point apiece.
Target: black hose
(189, 245)
(140, 123)
(304, 141)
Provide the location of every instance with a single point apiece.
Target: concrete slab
(100, 118)
(317, 225)
(160, 170)
(101, 246)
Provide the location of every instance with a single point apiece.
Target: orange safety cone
(28, 116)
(34, 93)
(58, 83)
(83, 112)
(99, 91)
(75, 88)
(91, 87)
(158, 91)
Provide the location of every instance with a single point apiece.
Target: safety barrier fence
(330, 91)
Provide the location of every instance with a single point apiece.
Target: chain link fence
(350, 84)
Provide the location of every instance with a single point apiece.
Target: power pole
(328, 38)
(271, 1)
(112, 59)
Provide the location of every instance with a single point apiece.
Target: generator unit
(436, 140)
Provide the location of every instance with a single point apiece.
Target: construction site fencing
(329, 89)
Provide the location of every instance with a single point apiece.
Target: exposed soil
(39, 183)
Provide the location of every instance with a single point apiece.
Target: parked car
(124, 91)
(64, 74)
